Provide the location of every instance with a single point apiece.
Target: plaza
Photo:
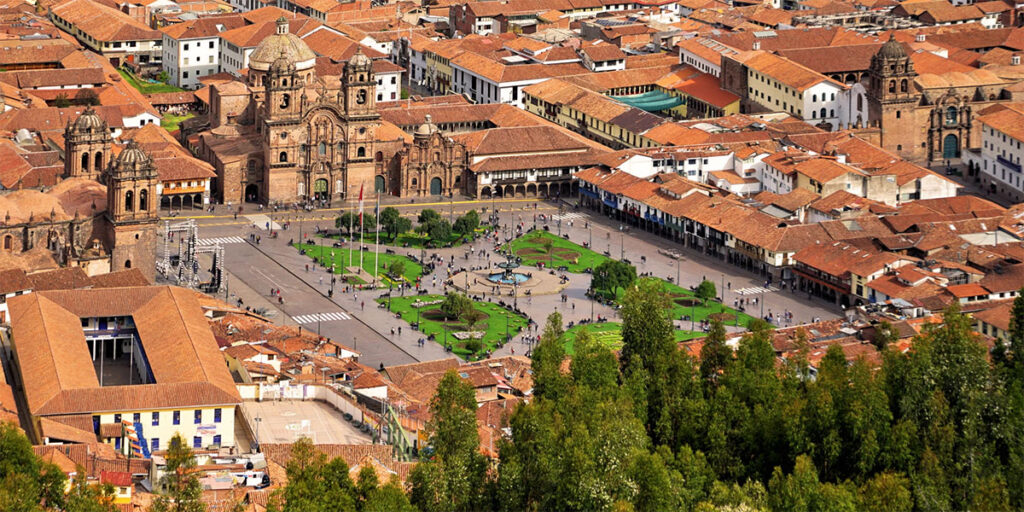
(256, 268)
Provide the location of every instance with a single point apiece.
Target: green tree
(314, 484)
(366, 483)
(427, 216)
(454, 478)
(26, 483)
(455, 305)
(85, 496)
(439, 231)
(612, 275)
(61, 101)
(347, 220)
(706, 291)
(467, 224)
(397, 268)
(472, 317)
(393, 222)
(548, 379)
(180, 482)
(886, 492)
(885, 334)
(715, 355)
(388, 498)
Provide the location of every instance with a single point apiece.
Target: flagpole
(350, 228)
(376, 257)
(361, 226)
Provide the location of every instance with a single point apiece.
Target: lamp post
(723, 293)
(622, 246)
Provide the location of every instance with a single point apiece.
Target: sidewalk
(376, 319)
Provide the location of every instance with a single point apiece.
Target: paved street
(354, 319)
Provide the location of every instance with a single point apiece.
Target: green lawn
(681, 305)
(529, 247)
(171, 122)
(340, 258)
(432, 321)
(146, 87)
(408, 240)
(609, 334)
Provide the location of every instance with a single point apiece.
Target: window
(903, 85)
(360, 152)
(184, 74)
(321, 149)
(892, 85)
(216, 439)
(216, 415)
(117, 418)
(897, 114)
(197, 442)
(199, 415)
(186, 46)
(117, 443)
(129, 201)
(211, 44)
(176, 418)
(137, 417)
(283, 157)
(154, 444)
(951, 114)
(156, 419)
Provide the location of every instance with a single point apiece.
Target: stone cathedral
(286, 134)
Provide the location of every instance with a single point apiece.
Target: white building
(192, 48)
(998, 160)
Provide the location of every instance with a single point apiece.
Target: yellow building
(594, 115)
(130, 366)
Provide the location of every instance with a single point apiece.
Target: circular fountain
(508, 275)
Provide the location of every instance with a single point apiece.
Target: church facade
(288, 135)
(927, 118)
(102, 216)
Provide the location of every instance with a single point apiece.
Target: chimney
(757, 45)
(919, 38)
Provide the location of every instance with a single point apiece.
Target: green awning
(651, 101)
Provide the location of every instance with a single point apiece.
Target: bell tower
(359, 87)
(892, 98)
(132, 210)
(87, 144)
(283, 88)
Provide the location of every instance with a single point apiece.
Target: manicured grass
(529, 247)
(609, 334)
(432, 322)
(146, 87)
(171, 122)
(340, 258)
(409, 240)
(681, 305)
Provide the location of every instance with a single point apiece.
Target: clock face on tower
(361, 97)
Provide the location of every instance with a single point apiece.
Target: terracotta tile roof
(967, 290)
(203, 27)
(603, 52)
(840, 259)
(50, 347)
(14, 280)
(67, 278)
(119, 279)
(1006, 279)
(15, 52)
(548, 161)
(57, 431)
(513, 140)
(103, 23)
(997, 316)
(785, 71)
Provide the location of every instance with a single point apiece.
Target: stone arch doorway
(320, 189)
(435, 186)
(252, 193)
(950, 147)
(379, 185)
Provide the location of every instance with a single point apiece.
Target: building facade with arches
(928, 118)
(101, 216)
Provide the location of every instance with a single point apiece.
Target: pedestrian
(362, 305)
(399, 330)
(321, 279)
(392, 331)
(307, 267)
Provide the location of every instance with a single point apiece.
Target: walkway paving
(602, 233)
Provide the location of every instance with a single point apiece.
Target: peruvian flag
(360, 205)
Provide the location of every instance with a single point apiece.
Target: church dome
(89, 120)
(359, 59)
(892, 49)
(282, 44)
(133, 156)
(427, 128)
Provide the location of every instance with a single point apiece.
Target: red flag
(360, 204)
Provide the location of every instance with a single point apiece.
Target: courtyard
(286, 421)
